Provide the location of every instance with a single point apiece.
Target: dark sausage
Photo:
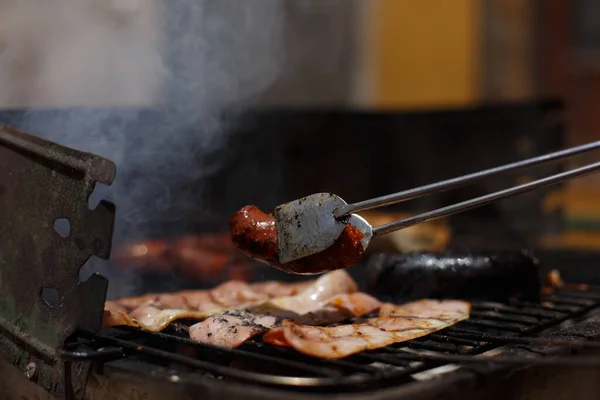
(255, 233)
(486, 276)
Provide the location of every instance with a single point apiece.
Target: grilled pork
(203, 257)
(231, 329)
(313, 296)
(289, 315)
(395, 324)
(155, 312)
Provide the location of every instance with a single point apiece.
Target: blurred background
(208, 105)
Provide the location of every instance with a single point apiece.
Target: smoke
(188, 60)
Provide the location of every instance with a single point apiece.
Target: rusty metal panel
(42, 300)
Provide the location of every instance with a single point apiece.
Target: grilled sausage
(255, 234)
(203, 257)
(491, 276)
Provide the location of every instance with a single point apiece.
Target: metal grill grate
(490, 326)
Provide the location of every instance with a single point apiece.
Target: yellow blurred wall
(425, 52)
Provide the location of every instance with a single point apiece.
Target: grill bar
(563, 361)
(525, 311)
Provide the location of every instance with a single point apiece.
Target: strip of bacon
(231, 329)
(313, 296)
(278, 289)
(116, 315)
(395, 324)
(182, 298)
(155, 312)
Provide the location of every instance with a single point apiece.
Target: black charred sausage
(469, 276)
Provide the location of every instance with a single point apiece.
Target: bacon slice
(116, 315)
(395, 324)
(183, 298)
(231, 329)
(312, 297)
(155, 312)
(278, 289)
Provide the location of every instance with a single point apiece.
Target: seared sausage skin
(487, 276)
(255, 233)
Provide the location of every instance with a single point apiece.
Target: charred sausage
(490, 276)
(255, 233)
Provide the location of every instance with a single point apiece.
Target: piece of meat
(116, 315)
(312, 297)
(151, 253)
(452, 274)
(195, 298)
(357, 304)
(255, 234)
(200, 263)
(196, 256)
(150, 317)
(395, 324)
(155, 312)
(346, 252)
(277, 289)
(236, 292)
(129, 303)
(231, 329)
(220, 242)
(338, 308)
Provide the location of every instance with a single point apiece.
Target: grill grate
(491, 325)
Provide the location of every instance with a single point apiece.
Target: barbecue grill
(399, 371)
(52, 343)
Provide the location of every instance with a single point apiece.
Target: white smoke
(187, 58)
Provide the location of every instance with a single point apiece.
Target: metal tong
(313, 223)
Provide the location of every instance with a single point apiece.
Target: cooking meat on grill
(322, 289)
(182, 299)
(490, 276)
(255, 233)
(277, 289)
(196, 256)
(233, 328)
(395, 324)
(235, 312)
(156, 312)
